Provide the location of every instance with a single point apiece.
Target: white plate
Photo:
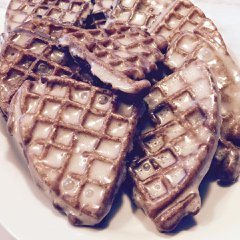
(27, 214)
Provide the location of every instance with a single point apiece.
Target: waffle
(119, 55)
(75, 137)
(178, 140)
(182, 16)
(199, 45)
(47, 28)
(141, 13)
(28, 54)
(72, 12)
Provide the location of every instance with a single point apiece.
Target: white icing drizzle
(109, 149)
(165, 159)
(187, 145)
(55, 158)
(160, 17)
(125, 110)
(71, 115)
(154, 98)
(51, 109)
(174, 131)
(69, 186)
(58, 91)
(85, 143)
(176, 176)
(118, 82)
(38, 88)
(102, 102)
(32, 105)
(35, 149)
(64, 5)
(70, 17)
(64, 137)
(78, 164)
(154, 144)
(15, 118)
(139, 19)
(101, 172)
(94, 122)
(21, 39)
(164, 116)
(20, 17)
(117, 128)
(91, 196)
(38, 47)
(184, 102)
(156, 189)
(172, 86)
(81, 96)
(41, 131)
(145, 170)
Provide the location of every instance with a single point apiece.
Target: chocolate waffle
(182, 16)
(177, 142)
(75, 137)
(199, 45)
(142, 13)
(47, 28)
(28, 54)
(73, 12)
(119, 55)
(34, 44)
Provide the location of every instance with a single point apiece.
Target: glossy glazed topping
(182, 16)
(227, 73)
(140, 13)
(179, 147)
(120, 56)
(75, 137)
(102, 6)
(72, 12)
(27, 55)
(207, 45)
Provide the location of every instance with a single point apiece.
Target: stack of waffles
(93, 91)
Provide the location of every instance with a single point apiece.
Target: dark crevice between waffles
(95, 19)
(137, 152)
(157, 75)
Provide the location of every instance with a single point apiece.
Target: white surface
(5, 235)
(27, 215)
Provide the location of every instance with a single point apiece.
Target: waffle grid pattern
(80, 128)
(63, 11)
(218, 60)
(141, 13)
(179, 125)
(126, 49)
(29, 56)
(202, 48)
(184, 16)
(47, 28)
